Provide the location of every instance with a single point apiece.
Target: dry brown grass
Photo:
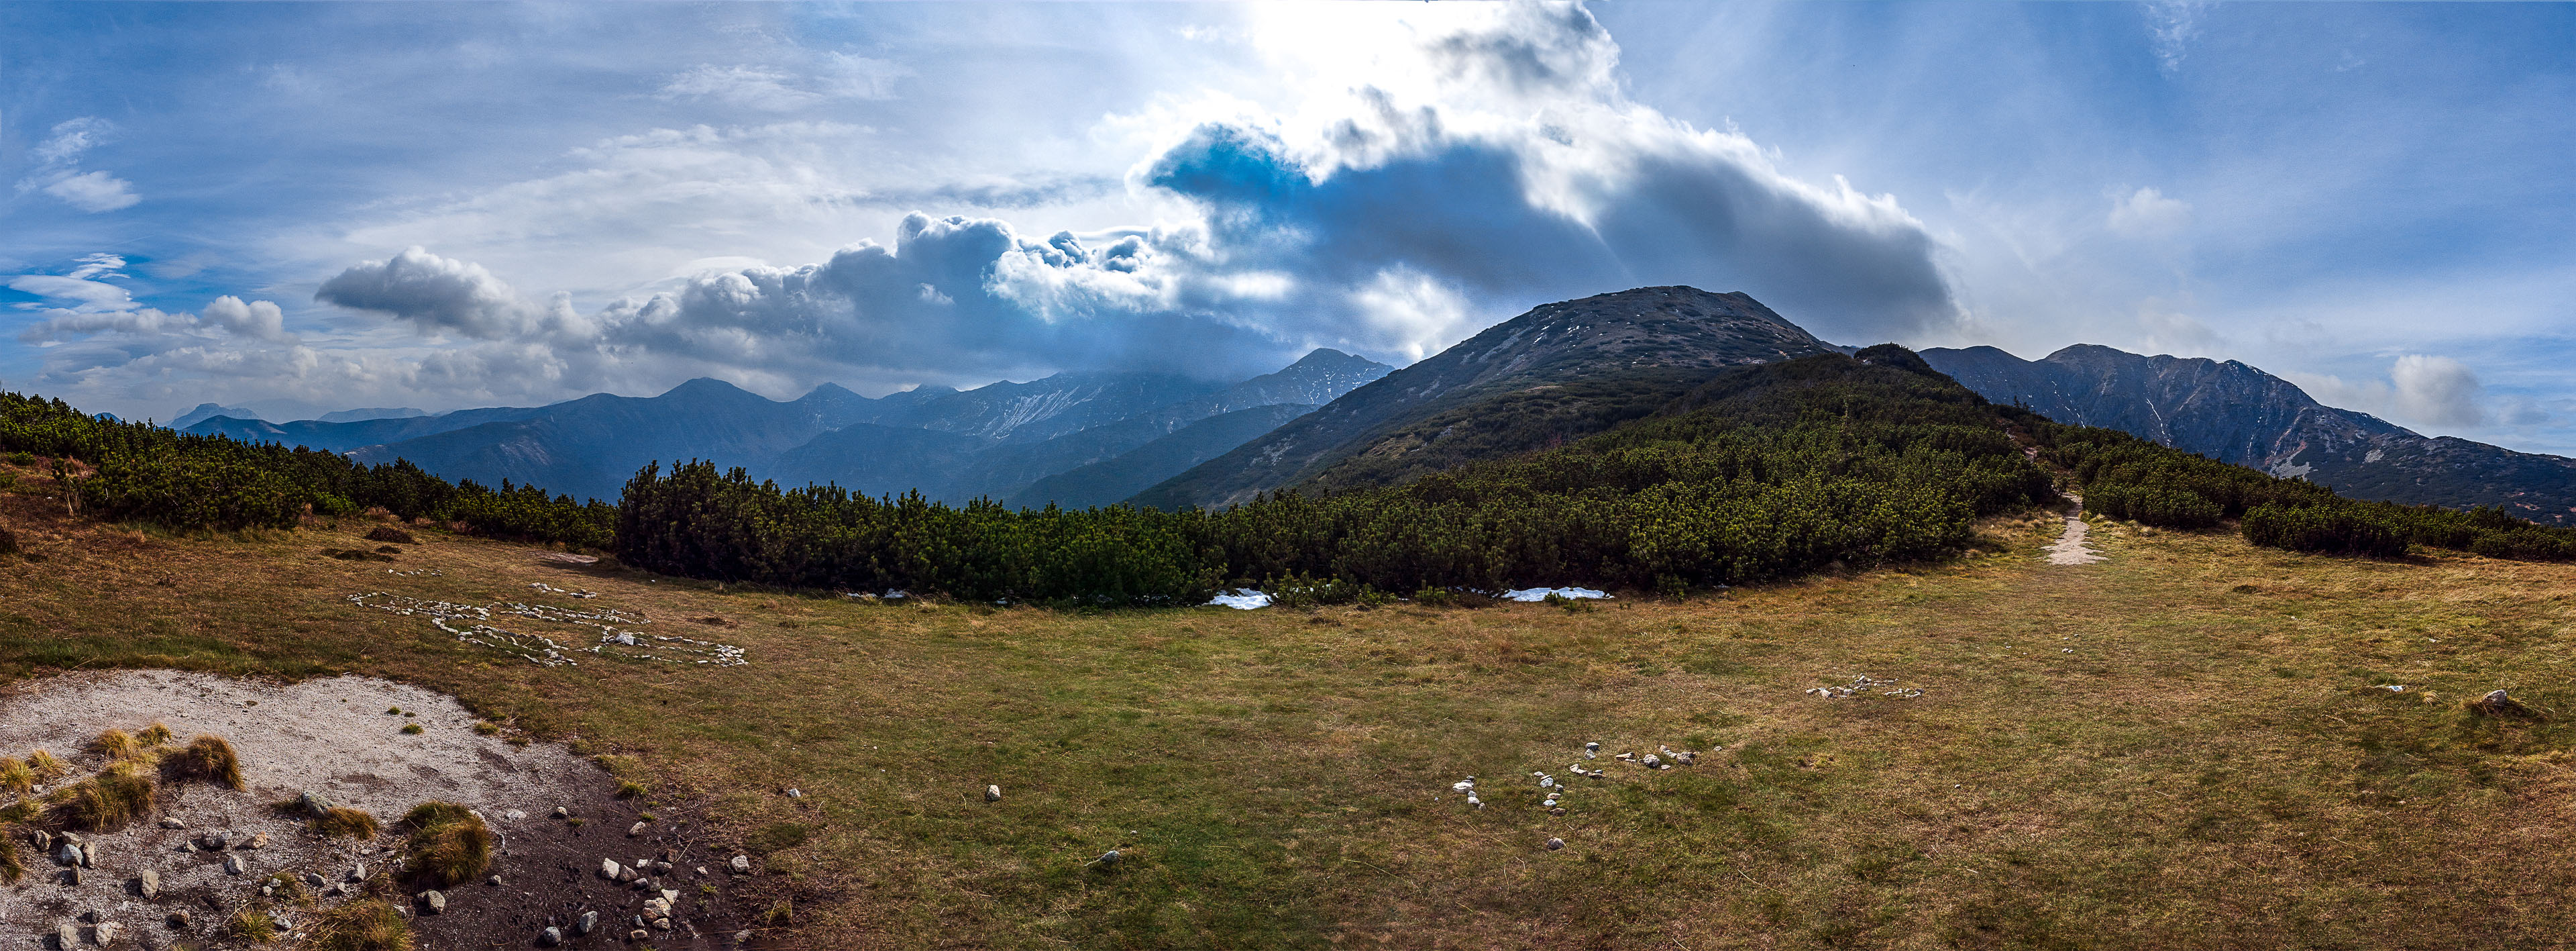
(113, 797)
(449, 844)
(207, 759)
(46, 767)
(363, 924)
(16, 776)
(2184, 746)
(347, 823)
(116, 744)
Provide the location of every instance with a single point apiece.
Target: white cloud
(2439, 391)
(2148, 213)
(840, 76)
(94, 191)
(58, 176)
(71, 138)
(444, 297)
(2433, 392)
(2171, 26)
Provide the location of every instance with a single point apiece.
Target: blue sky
(313, 207)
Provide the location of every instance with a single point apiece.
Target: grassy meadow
(2183, 746)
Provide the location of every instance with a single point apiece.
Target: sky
(309, 207)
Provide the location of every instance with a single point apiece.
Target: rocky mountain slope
(2235, 413)
(1560, 371)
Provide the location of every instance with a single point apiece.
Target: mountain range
(1331, 421)
(993, 441)
(2235, 413)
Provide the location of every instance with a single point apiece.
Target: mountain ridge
(2237, 413)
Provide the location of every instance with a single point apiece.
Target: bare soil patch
(335, 737)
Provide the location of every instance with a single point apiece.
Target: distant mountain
(206, 411)
(1006, 467)
(1561, 371)
(362, 415)
(994, 441)
(589, 447)
(2235, 413)
(1111, 481)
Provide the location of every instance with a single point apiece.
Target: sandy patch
(331, 736)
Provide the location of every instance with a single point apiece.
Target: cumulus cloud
(2148, 213)
(1432, 171)
(440, 297)
(2431, 391)
(1493, 164)
(58, 176)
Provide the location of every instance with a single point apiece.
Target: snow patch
(1244, 599)
(1540, 594)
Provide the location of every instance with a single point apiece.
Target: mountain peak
(206, 411)
(706, 387)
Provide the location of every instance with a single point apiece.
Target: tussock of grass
(105, 801)
(154, 735)
(252, 923)
(16, 776)
(207, 759)
(11, 868)
(116, 744)
(371, 924)
(448, 843)
(46, 766)
(344, 821)
(23, 810)
(411, 729)
(486, 727)
(629, 789)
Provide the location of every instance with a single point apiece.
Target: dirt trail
(2071, 548)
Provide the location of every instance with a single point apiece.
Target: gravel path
(2071, 548)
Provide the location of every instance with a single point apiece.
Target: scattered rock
(256, 841)
(44, 840)
(177, 920)
(358, 872)
(233, 865)
(172, 822)
(589, 920)
(69, 854)
(314, 803)
(148, 884)
(106, 933)
(72, 875)
(992, 794)
(1558, 811)
(741, 865)
(562, 813)
(549, 937)
(1651, 762)
(638, 934)
(2496, 704)
(433, 901)
(494, 881)
(742, 937)
(66, 936)
(1686, 758)
(635, 830)
(314, 880)
(1555, 844)
(514, 815)
(214, 841)
(1107, 859)
(608, 869)
(795, 794)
